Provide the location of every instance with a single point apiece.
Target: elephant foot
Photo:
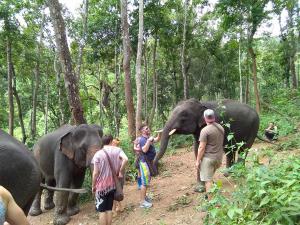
(49, 205)
(73, 210)
(61, 219)
(35, 211)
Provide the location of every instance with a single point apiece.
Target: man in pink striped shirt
(103, 184)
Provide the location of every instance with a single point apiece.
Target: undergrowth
(265, 195)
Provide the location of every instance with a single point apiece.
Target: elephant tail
(265, 140)
(78, 191)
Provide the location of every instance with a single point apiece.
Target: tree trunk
(247, 98)
(126, 68)
(240, 73)
(254, 75)
(57, 69)
(183, 56)
(65, 58)
(138, 76)
(46, 101)
(84, 36)
(154, 98)
(15, 92)
(37, 76)
(292, 48)
(145, 83)
(117, 95)
(10, 88)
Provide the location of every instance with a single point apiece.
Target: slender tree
(138, 76)
(126, 68)
(65, 58)
(183, 51)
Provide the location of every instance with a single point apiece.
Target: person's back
(9, 210)
(213, 135)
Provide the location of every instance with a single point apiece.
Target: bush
(267, 196)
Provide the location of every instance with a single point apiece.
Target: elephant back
(19, 171)
(243, 120)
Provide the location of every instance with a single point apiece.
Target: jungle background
(118, 63)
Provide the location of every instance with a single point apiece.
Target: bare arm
(96, 172)
(124, 163)
(157, 139)
(14, 215)
(145, 148)
(201, 151)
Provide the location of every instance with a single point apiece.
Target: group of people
(209, 159)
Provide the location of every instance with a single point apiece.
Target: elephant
(63, 156)
(187, 118)
(19, 172)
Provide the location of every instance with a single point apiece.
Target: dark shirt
(150, 154)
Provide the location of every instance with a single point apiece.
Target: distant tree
(71, 82)
(126, 68)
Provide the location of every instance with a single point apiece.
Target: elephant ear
(66, 146)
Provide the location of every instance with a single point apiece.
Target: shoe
(146, 205)
(148, 199)
(199, 189)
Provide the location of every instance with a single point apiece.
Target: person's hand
(197, 164)
(151, 139)
(120, 175)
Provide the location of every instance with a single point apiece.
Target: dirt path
(174, 201)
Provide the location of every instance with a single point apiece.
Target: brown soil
(174, 201)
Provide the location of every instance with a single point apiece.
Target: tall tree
(10, 87)
(126, 68)
(84, 36)
(183, 51)
(138, 76)
(37, 75)
(65, 58)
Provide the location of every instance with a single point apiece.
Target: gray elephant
(63, 157)
(187, 118)
(19, 171)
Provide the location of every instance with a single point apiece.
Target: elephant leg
(73, 207)
(61, 200)
(200, 187)
(35, 209)
(48, 203)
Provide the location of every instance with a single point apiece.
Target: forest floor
(174, 200)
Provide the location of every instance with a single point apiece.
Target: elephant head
(81, 143)
(186, 118)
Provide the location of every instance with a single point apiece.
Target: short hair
(106, 139)
(142, 126)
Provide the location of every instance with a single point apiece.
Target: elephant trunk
(163, 146)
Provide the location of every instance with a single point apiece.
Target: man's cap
(209, 113)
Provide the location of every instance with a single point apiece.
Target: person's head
(144, 129)
(115, 142)
(107, 139)
(271, 124)
(209, 116)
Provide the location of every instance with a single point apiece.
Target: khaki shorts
(208, 168)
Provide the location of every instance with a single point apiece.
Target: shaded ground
(174, 201)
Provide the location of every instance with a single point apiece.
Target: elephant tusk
(79, 191)
(172, 132)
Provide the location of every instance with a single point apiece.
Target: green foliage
(283, 110)
(267, 195)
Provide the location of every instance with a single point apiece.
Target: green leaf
(264, 201)
(230, 213)
(229, 137)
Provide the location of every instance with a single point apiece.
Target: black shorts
(105, 203)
